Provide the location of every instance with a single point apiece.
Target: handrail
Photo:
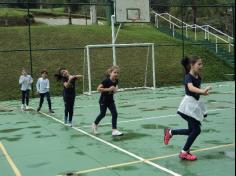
(217, 30)
(195, 26)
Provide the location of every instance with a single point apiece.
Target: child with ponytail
(191, 109)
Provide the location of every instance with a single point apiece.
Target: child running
(25, 81)
(43, 90)
(69, 92)
(190, 109)
(108, 87)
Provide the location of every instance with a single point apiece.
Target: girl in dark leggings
(191, 109)
(107, 88)
(69, 93)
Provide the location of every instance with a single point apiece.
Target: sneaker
(187, 156)
(65, 120)
(38, 109)
(70, 124)
(22, 107)
(116, 133)
(94, 128)
(27, 107)
(51, 111)
(167, 136)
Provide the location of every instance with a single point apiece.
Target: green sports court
(39, 144)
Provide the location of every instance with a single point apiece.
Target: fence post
(208, 34)
(156, 21)
(173, 30)
(216, 45)
(205, 33)
(229, 44)
(186, 31)
(170, 21)
(195, 32)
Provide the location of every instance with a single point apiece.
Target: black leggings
(103, 110)
(194, 129)
(69, 107)
(42, 95)
(25, 97)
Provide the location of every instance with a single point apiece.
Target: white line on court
(149, 118)
(10, 161)
(137, 102)
(150, 159)
(115, 147)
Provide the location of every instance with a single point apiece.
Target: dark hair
(188, 61)
(58, 75)
(44, 71)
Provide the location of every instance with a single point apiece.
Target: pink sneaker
(187, 156)
(167, 136)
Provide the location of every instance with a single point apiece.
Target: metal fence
(30, 37)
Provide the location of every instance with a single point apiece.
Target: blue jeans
(25, 97)
(69, 107)
(42, 95)
(194, 129)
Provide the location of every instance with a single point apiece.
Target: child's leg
(66, 99)
(49, 100)
(23, 97)
(182, 131)
(103, 110)
(71, 108)
(27, 97)
(112, 108)
(41, 100)
(195, 131)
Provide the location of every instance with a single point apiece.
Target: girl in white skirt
(191, 109)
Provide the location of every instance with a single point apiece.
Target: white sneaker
(27, 107)
(22, 107)
(116, 133)
(69, 124)
(94, 128)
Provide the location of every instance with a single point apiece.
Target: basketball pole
(113, 39)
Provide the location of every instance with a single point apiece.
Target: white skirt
(193, 108)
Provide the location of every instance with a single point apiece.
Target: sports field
(39, 144)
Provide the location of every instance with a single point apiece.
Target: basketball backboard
(128, 11)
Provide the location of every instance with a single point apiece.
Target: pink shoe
(187, 156)
(167, 136)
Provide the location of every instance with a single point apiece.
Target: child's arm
(31, 80)
(67, 84)
(78, 76)
(38, 86)
(21, 80)
(197, 90)
(100, 88)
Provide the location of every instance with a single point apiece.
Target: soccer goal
(136, 61)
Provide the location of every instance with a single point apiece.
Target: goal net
(136, 62)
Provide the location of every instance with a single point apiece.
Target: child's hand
(206, 90)
(112, 89)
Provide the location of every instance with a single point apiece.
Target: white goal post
(87, 62)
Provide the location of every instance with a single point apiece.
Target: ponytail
(58, 75)
(188, 61)
(186, 64)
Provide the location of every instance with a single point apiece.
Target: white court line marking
(137, 102)
(149, 118)
(150, 159)
(115, 147)
(10, 161)
(126, 102)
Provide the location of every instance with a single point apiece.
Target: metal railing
(205, 28)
